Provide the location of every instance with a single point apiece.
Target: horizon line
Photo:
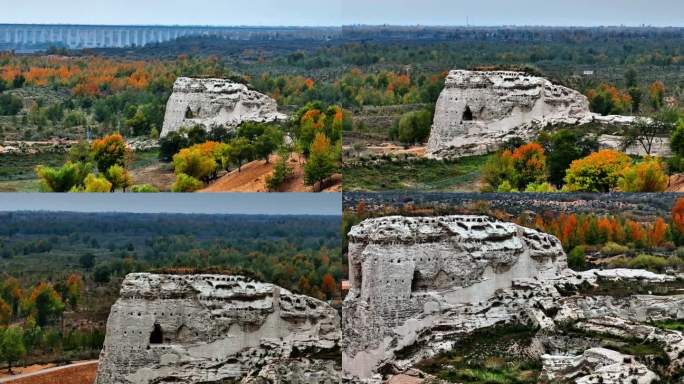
(166, 213)
(322, 26)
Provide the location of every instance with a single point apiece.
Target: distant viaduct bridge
(41, 36)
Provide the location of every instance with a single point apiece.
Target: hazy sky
(338, 12)
(236, 203)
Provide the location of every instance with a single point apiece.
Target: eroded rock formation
(479, 111)
(597, 365)
(216, 102)
(214, 328)
(418, 282)
(420, 285)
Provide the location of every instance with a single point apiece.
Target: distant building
(588, 73)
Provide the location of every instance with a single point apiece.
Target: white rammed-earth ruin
(421, 284)
(217, 328)
(478, 111)
(211, 103)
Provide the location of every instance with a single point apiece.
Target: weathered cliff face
(419, 286)
(210, 328)
(216, 102)
(478, 111)
(416, 283)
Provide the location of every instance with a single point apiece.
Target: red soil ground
(252, 178)
(78, 373)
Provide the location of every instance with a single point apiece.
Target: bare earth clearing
(78, 373)
(252, 178)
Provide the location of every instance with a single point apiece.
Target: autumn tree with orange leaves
(44, 304)
(677, 225)
(108, 151)
(329, 286)
(518, 168)
(608, 100)
(598, 172)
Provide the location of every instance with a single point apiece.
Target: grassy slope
(424, 175)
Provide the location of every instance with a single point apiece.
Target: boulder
(478, 111)
(216, 328)
(216, 102)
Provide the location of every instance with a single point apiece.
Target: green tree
(5, 313)
(576, 259)
(12, 347)
(563, 151)
(241, 150)
(172, 144)
(281, 172)
(185, 183)
(102, 274)
(95, 184)
(414, 127)
(647, 176)
(45, 303)
(64, 179)
(119, 177)
(138, 125)
(194, 162)
(32, 334)
(320, 164)
(268, 142)
(87, 260)
(80, 153)
(10, 105)
(197, 135)
(631, 78)
(109, 151)
(598, 172)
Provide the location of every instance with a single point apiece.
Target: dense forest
(62, 271)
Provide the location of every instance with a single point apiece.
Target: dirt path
(252, 178)
(78, 373)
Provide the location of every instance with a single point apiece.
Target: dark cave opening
(157, 336)
(467, 114)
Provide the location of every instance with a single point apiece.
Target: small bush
(541, 188)
(649, 262)
(144, 188)
(96, 184)
(613, 249)
(281, 172)
(185, 183)
(576, 258)
(62, 179)
(647, 176)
